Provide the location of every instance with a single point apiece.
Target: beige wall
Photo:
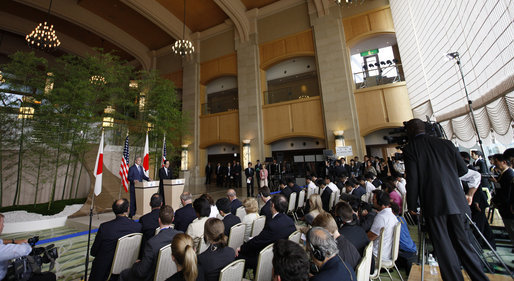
(169, 63)
(219, 45)
(283, 24)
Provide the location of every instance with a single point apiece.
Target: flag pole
(89, 234)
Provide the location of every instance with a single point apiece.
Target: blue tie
(141, 172)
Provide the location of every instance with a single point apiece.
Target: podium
(144, 192)
(172, 191)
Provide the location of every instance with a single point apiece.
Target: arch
(218, 76)
(296, 45)
(276, 60)
(390, 125)
(367, 35)
(292, 135)
(207, 144)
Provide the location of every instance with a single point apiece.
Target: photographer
(433, 167)
(12, 249)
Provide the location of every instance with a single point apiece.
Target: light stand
(456, 57)
(89, 234)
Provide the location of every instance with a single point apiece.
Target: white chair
(295, 236)
(127, 250)
(364, 266)
(316, 191)
(292, 205)
(336, 197)
(233, 271)
(258, 226)
(241, 212)
(394, 255)
(331, 202)
(165, 265)
(202, 246)
(310, 192)
(378, 258)
(264, 264)
(301, 199)
(157, 230)
(236, 236)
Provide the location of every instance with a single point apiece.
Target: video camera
(25, 266)
(399, 135)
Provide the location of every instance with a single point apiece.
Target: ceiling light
(43, 36)
(183, 47)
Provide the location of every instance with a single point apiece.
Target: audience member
(394, 195)
(150, 221)
(214, 210)
(347, 251)
(504, 196)
(184, 256)
(407, 252)
(315, 208)
(107, 238)
(228, 218)
(290, 262)
(325, 194)
(218, 255)
(323, 250)
(386, 219)
(251, 208)
(311, 186)
(349, 228)
(285, 189)
(280, 227)
(293, 186)
(265, 195)
(185, 215)
(234, 202)
(144, 269)
(195, 228)
(331, 185)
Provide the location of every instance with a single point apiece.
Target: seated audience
(195, 228)
(107, 238)
(185, 215)
(265, 195)
(330, 184)
(394, 195)
(228, 218)
(293, 186)
(184, 256)
(234, 202)
(324, 254)
(290, 262)
(150, 221)
(366, 214)
(311, 186)
(214, 210)
(315, 208)
(218, 255)
(285, 189)
(144, 269)
(280, 227)
(407, 252)
(386, 219)
(349, 228)
(251, 209)
(347, 251)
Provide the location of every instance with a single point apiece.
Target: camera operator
(12, 249)
(433, 167)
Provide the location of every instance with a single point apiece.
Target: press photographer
(19, 250)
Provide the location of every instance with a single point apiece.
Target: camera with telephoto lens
(24, 267)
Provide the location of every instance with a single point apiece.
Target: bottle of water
(433, 264)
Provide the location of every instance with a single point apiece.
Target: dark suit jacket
(266, 211)
(280, 227)
(325, 198)
(348, 252)
(358, 192)
(184, 216)
(163, 176)
(433, 167)
(334, 270)
(234, 204)
(249, 172)
(214, 259)
(286, 192)
(145, 269)
(356, 235)
(504, 197)
(105, 244)
(296, 188)
(136, 174)
(229, 221)
(149, 223)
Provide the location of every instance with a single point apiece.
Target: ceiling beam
(236, 11)
(72, 12)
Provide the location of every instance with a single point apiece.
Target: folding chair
(378, 258)
(394, 256)
(165, 266)
(236, 236)
(364, 266)
(264, 264)
(295, 236)
(127, 250)
(241, 212)
(258, 226)
(233, 271)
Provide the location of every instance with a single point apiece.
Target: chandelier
(43, 37)
(349, 2)
(183, 47)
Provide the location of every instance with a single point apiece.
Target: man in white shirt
(386, 219)
(331, 185)
(311, 187)
(400, 185)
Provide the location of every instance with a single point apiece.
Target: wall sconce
(246, 153)
(108, 122)
(339, 138)
(184, 158)
(26, 112)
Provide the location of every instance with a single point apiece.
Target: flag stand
(89, 234)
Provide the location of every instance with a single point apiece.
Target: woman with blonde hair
(218, 255)
(251, 208)
(315, 207)
(184, 256)
(263, 175)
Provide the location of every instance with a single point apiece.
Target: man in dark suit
(237, 174)
(348, 227)
(289, 261)
(107, 238)
(442, 201)
(219, 174)
(284, 189)
(265, 195)
(135, 174)
(326, 191)
(258, 168)
(229, 220)
(165, 173)
(249, 173)
(208, 173)
(150, 221)
(185, 215)
(480, 166)
(280, 227)
(144, 269)
(234, 202)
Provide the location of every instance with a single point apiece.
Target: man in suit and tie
(265, 195)
(185, 215)
(219, 174)
(208, 173)
(144, 269)
(258, 168)
(135, 174)
(433, 167)
(229, 175)
(237, 174)
(249, 173)
(165, 173)
(107, 238)
(149, 222)
(280, 227)
(229, 220)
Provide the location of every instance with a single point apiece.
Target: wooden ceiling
(200, 14)
(250, 4)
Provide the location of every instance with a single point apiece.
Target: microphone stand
(89, 234)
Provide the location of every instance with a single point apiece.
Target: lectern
(144, 192)
(172, 191)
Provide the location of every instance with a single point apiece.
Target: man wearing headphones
(386, 219)
(323, 250)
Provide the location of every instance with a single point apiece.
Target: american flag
(163, 152)
(125, 165)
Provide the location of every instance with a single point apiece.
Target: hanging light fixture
(349, 2)
(43, 37)
(183, 47)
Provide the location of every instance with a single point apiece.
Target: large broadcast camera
(399, 135)
(25, 266)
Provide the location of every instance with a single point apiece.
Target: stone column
(335, 78)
